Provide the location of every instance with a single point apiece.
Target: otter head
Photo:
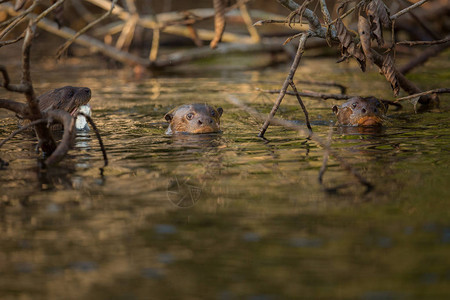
(68, 98)
(194, 118)
(359, 111)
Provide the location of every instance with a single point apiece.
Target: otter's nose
(205, 121)
(86, 91)
(363, 110)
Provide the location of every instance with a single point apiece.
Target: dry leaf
(379, 16)
(364, 36)
(388, 71)
(348, 44)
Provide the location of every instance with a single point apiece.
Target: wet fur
(67, 98)
(359, 111)
(205, 119)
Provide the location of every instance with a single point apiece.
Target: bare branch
(419, 43)
(305, 111)
(404, 11)
(289, 78)
(435, 91)
(5, 43)
(313, 20)
(48, 10)
(423, 57)
(66, 45)
(14, 106)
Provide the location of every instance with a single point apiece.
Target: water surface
(228, 216)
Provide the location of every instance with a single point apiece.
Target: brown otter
(359, 111)
(67, 98)
(194, 118)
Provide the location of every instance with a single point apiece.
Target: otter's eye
(70, 95)
(189, 116)
(354, 105)
(213, 113)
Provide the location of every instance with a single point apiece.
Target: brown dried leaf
(364, 36)
(379, 16)
(348, 44)
(388, 71)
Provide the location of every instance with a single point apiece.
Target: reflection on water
(226, 216)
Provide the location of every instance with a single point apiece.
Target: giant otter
(67, 98)
(194, 118)
(359, 111)
(71, 99)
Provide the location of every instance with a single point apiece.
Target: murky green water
(228, 216)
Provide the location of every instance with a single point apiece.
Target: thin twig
(99, 137)
(47, 11)
(344, 15)
(404, 11)
(305, 111)
(343, 88)
(262, 22)
(290, 77)
(66, 45)
(435, 91)
(421, 23)
(418, 43)
(25, 127)
(5, 43)
(24, 13)
(423, 57)
(11, 26)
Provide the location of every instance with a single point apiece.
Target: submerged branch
(65, 144)
(289, 125)
(99, 137)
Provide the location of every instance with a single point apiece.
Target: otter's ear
(168, 117)
(220, 111)
(335, 109)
